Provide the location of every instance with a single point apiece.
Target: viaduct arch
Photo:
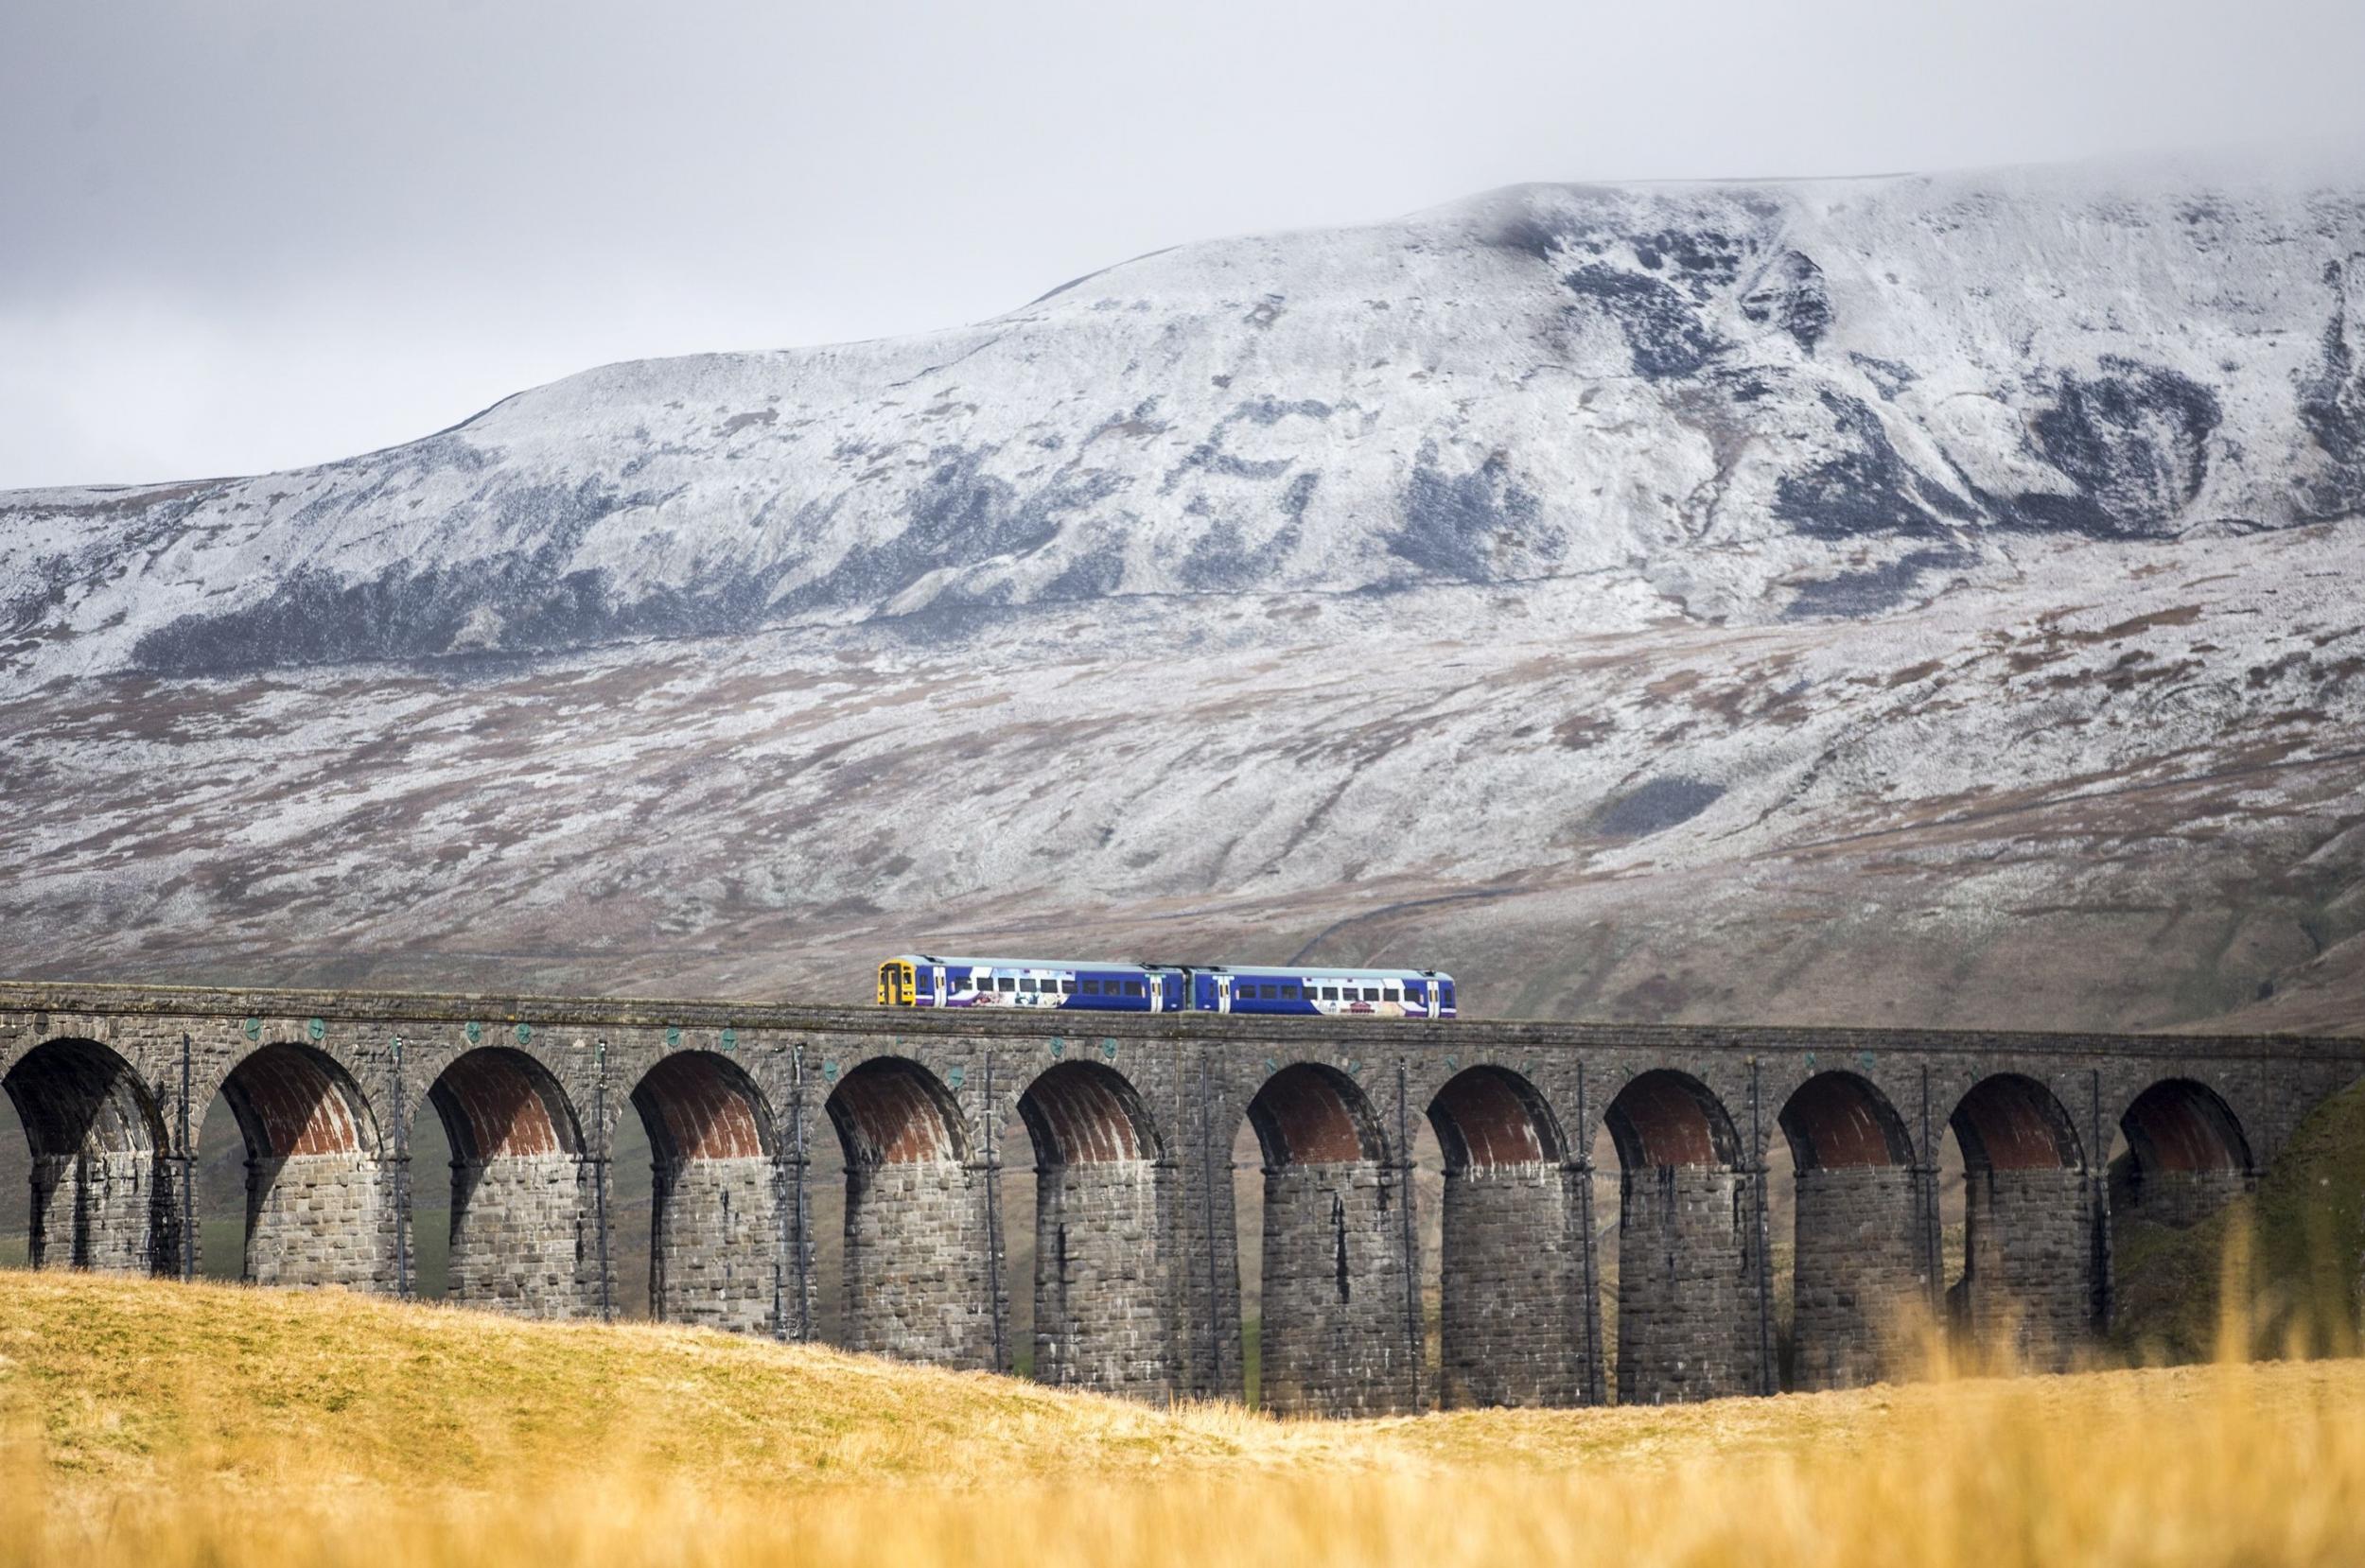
(105, 1190)
(1135, 1287)
(1103, 1201)
(2029, 1272)
(318, 1211)
(1339, 1279)
(1687, 1242)
(520, 1184)
(1862, 1247)
(714, 1196)
(917, 1218)
(2186, 1154)
(1513, 1293)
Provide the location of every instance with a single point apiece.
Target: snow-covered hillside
(1825, 600)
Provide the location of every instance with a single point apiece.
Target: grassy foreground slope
(146, 1422)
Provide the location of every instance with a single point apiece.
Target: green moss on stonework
(2304, 1231)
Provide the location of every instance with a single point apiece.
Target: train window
(1008, 982)
(1091, 988)
(1288, 992)
(1371, 993)
(1330, 993)
(1132, 987)
(1394, 995)
(1067, 988)
(1028, 984)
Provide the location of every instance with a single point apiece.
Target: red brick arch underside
(698, 1105)
(290, 1100)
(2184, 1125)
(77, 1096)
(496, 1102)
(2009, 1123)
(1309, 1114)
(1083, 1113)
(1837, 1120)
(892, 1111)
(1490, 1117)
(1668, 1118)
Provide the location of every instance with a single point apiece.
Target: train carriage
(1317, 990)
(925, 979)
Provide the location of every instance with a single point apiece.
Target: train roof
(1007, 963)
(1324, 971)
(1291, 972)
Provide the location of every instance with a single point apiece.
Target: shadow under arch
(890, 1110)
(1103, 1197)
(1488, 1118)
(716, 1247)
(917, 1284)
(1511, 1328)
(1080, 1113)
(1341, 1324)
(2186, 1156)
(104, 1193)
(1862, 1253)
(2031, 1230)
(318, 1211)
(1689, 1318)
(521, 1200)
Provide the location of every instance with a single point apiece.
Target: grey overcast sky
(241, 234)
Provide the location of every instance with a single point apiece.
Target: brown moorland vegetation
(153, 1423)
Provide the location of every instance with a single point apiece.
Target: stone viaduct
(1133, 1117)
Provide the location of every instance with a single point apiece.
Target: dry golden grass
(151, 1424)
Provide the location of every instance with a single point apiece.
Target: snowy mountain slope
(1850, 599)
(1730, 402)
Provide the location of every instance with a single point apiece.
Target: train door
(1157, 989)
(1223, 993)
(935, 984)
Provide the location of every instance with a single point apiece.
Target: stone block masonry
(2027, 1281)
(1336, 1339)
(320, 1219)
(716, 1258)
(1134, 1116)
(1510, 1308)
(517, 1234)
(1861, 1275)
(117, 1211)
(1686, 1298)
(1103, 1315)
(917, 1282)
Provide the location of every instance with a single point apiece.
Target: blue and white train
(924, 980)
